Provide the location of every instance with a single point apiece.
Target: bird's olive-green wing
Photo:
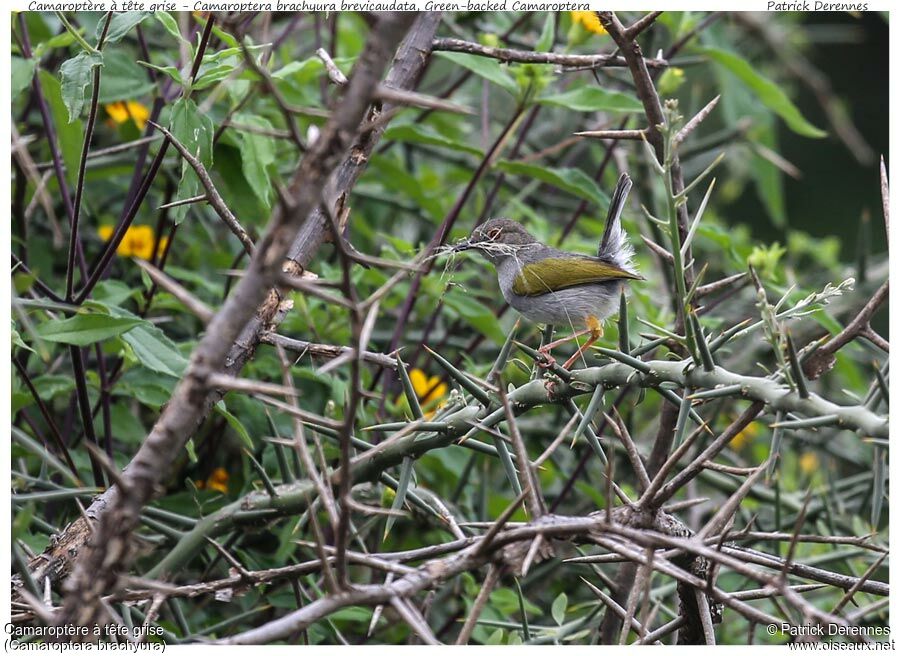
(554, 273)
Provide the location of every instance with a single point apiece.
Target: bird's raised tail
(614, 246)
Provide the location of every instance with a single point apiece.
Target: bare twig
(212, 194)
(530, 57)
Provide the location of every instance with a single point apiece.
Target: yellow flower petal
(809, 462)
(117, 111)
(219, 474)
(140, 241)
(435, 390)
(419, 382)
(218, 480)
(105, 232)
(589, 20)
(121, 112)
(745, 437)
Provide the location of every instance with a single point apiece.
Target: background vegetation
(127, 238)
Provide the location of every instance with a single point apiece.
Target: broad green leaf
(593, 99)
(490, 69)
(84, 329)
(125, 424)
(113, 292)
(257, 155)
(236, 192)
(575, 181)
(17, 340)
(769, 93)
(195, 131)
(236, 424)
(169, 71)
(121, 24)
(558, 609)
(150, 393)
(62, 40)
(51, 385)
(423, 134)
(221, 64)
(21, 74)
(739, 102)
(476, 314)
(168, 22)
(123, 79)
(155, 350)
(70, 135)
(75, 74)
(545, 42)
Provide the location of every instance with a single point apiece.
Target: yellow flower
(139, 241)
(105, 232)
(429, 390)
(740, 441)
(217, 480)
(809, 462)
(588, 20)
(121, 111)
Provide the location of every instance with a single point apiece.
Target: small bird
(547, 285)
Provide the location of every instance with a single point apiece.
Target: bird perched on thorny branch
(551, 286)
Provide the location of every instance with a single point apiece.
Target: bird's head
(497, 239)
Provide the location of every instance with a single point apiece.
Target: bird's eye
(493, 234)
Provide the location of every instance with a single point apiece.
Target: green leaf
(593, 99)
(558, 609)
(121, 24)
(769, 93)
(166, 20)
(545, 42)
(123, 79)
(257, 155)
(21, 74)
(575, 181)
(219, 65)
(151, 393)
(125, 424)
(476, 314)
(154, 350)
(70, 135)
(236, 424)
(75, 74)
(49, 386)
(170, 71)
(84, 329)
(113, 292)
(195, 131)
(17, 340)
(62, 40)
(191, 451)
(489, 69)
(423, 134)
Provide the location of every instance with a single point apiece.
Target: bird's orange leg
(595, 328)
(546, 348)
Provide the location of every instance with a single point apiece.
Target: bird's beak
(462, 245)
